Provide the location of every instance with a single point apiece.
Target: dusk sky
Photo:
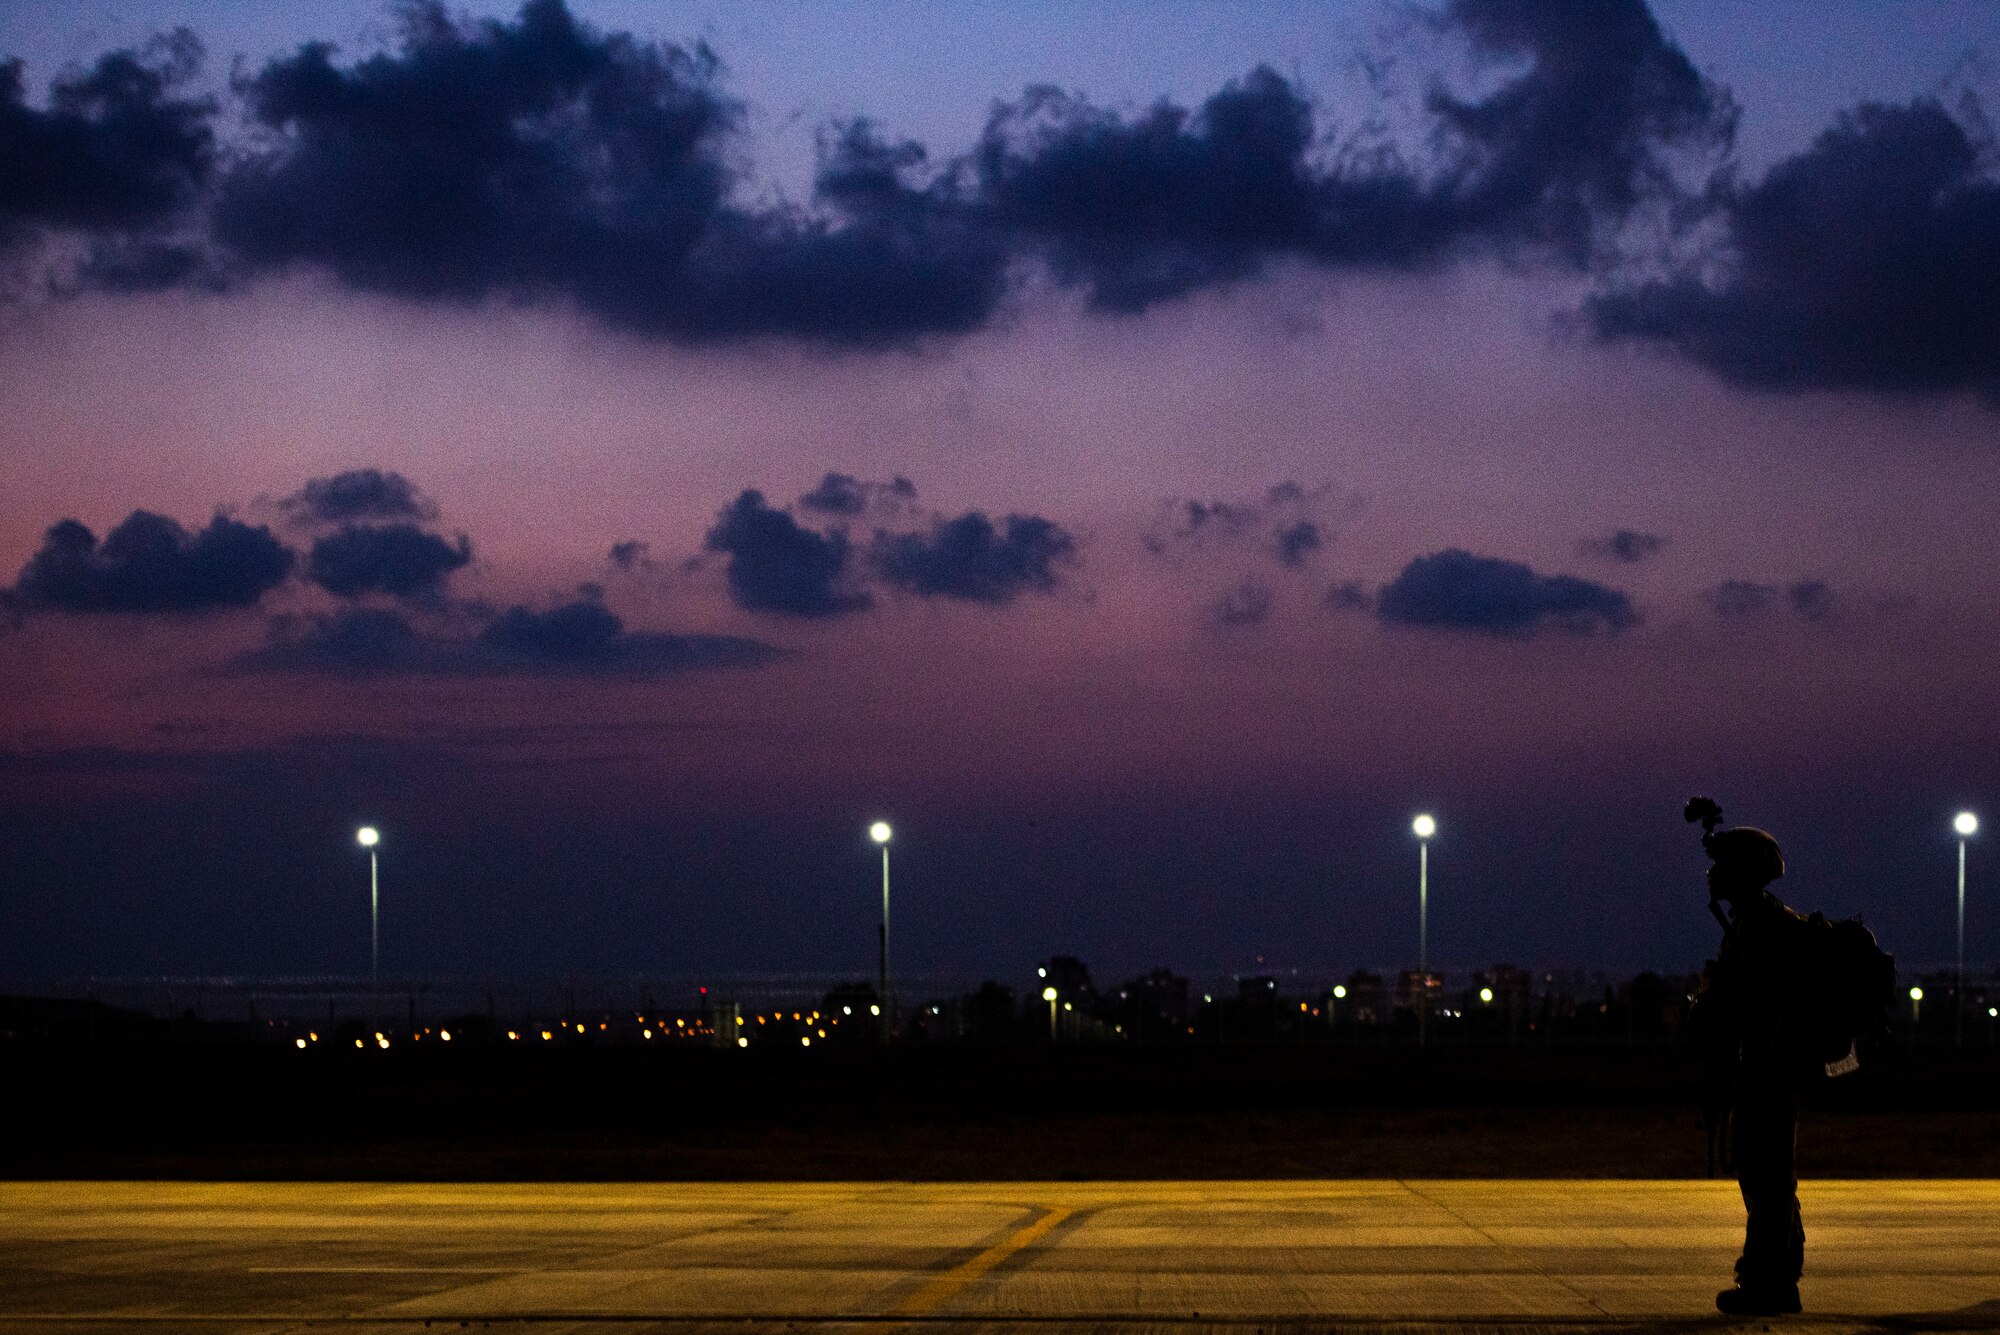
(1146, 452)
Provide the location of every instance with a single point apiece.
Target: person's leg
(1766, 1127)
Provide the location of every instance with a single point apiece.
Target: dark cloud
(1456, 590)
(117, 148)
(1139, 209)
(149, 563)
(1288, 520)
(1743, 599)
(361, 493)
(1585, 134)
(840, 494)
(1627, 545)
(1136, 210)
(1199, 520)
(778, 565)
(399, 559)
(1870, 261)
(631, 555)
(1248, 604)
(481, 155)
(541, 158)
(1297, 542)
(880, 260)
(971, 558)
(580, 638)
(1811, 599)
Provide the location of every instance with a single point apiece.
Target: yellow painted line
(935, 1293)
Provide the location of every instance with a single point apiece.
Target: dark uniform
(1757, 981)
(1752, 1018)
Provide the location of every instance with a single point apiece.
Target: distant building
(1363, 1003)
(1151, 1007)
(1415, 988)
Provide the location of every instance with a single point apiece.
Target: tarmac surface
(968, 1257)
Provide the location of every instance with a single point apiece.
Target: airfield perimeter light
(880, 833)
(1965, 823)
(368, 836)
(1425, 827)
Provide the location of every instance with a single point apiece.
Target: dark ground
(629, 1113)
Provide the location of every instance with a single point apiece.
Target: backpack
(1846, 983)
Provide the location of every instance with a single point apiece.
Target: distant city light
(368, 836)
(1424, 826)
(804, 1041)
(1340, 991)
(445, 1034)
(880, 832)
(1916, 994)
(1041, 971)
(1965, 823)
(300, 1041)
(1486, 995)
(847, 1010)
(1048, 994)
(877, 1010)
(742, 1042)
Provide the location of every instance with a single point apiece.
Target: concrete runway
(1176, 1256)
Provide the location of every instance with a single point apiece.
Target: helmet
(1746, 850)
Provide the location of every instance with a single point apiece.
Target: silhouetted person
(1750, 1008)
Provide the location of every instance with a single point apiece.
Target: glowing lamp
(1424, 826)
(880, 832)
(1965, 823)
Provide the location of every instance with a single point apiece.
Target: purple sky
(1160, 741)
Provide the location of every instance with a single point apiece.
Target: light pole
(880, 833)
(1424, 827)
(368, 836)
(1049, 995)
(1966, 824)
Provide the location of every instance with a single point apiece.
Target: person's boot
(1759, 1300)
